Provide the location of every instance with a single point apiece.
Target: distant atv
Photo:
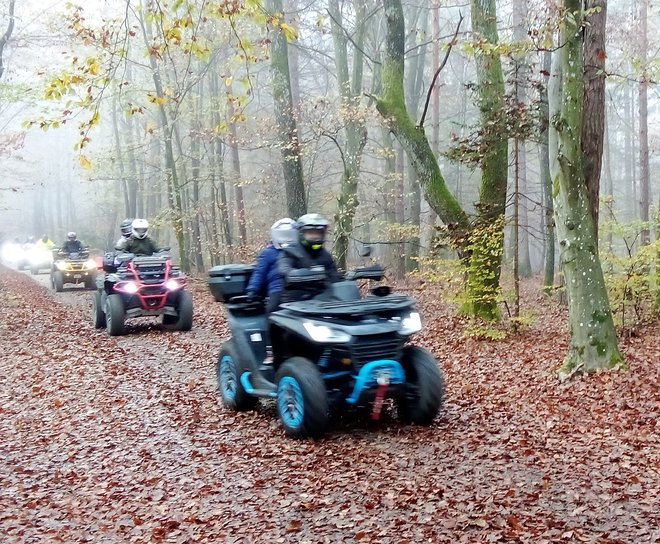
(40, 259)
(141, 286)
(336, 350)
(72, 268)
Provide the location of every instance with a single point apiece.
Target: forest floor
(116, 440)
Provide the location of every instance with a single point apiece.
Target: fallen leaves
(124, 440)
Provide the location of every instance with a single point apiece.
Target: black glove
(250, 297)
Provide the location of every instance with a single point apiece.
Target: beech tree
(593, 342)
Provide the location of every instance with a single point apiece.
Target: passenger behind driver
(139, 242)
(126, 228)
(307, 253)
(266, 279)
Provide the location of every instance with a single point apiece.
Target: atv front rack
(365, 306)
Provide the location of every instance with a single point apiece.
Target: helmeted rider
(72, 244)
(266, 280)
(126, 228)
(45, 243)
(139, 243)
(307, 253)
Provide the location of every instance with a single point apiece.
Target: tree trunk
(286, 122)
(174, 194)
(393, 108)
(546, 181)
(355, 130)
(594, 101)
(6, 36)
(483, 288)
(643, 124)
(236, 166)
(593, 342)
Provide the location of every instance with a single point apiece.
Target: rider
(265, 279)
(308, 253)
(139, 243)
(126, 227)
(45, 243)
(72, 244)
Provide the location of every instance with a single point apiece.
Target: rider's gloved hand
(250, 297)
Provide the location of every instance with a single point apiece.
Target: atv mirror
(365, 251)
(305, 275)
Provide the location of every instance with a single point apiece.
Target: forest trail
(124, 439)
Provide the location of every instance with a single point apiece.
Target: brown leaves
(124, 440)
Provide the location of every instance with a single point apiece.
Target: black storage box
(229, 280)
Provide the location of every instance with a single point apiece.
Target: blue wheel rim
(290, 402)
(227, 377)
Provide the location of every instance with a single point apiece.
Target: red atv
(138, 286)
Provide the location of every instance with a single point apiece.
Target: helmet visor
(140, 232)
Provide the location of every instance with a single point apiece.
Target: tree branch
(437, 72)
(7, 34)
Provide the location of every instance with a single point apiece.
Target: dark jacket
(144, 246)
(266, 279)
(295, 257)
(72, 246)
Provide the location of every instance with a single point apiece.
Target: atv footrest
(247, 385)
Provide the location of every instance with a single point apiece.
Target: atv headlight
(130, 287)
(411, 323)
(323, 333)
(62, 265)
(172, 285)
(90, 264)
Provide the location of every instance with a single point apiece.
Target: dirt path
(116, 440)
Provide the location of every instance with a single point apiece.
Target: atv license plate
(77, 276)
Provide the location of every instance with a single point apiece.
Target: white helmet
(140, 228)
(283, 233)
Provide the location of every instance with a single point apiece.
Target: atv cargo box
(229, 280)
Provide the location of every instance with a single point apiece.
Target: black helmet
(126, 226)
(312, 228)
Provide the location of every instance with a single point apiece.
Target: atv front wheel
(302, 400)
(229, 372)
(98, 316)
(114, 315)
(425, 387)
(58, 281)
(184, 319)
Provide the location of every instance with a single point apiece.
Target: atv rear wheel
(302, 400)
(229, 370)
(425, 387)
(114, 315)
(98, 316)
(58, 281)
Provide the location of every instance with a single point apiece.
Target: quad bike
(40, 258)
(138, 286)
(336, 350)
(76, 268)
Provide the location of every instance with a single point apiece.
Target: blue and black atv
(336, 350)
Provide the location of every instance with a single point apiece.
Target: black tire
(90, 282)
(302, 399)
(114, 315)
(98, 315)
(228, 371)
(58, 281)
(185, 310)
(425, 387)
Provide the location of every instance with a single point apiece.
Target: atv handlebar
(374, 273)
